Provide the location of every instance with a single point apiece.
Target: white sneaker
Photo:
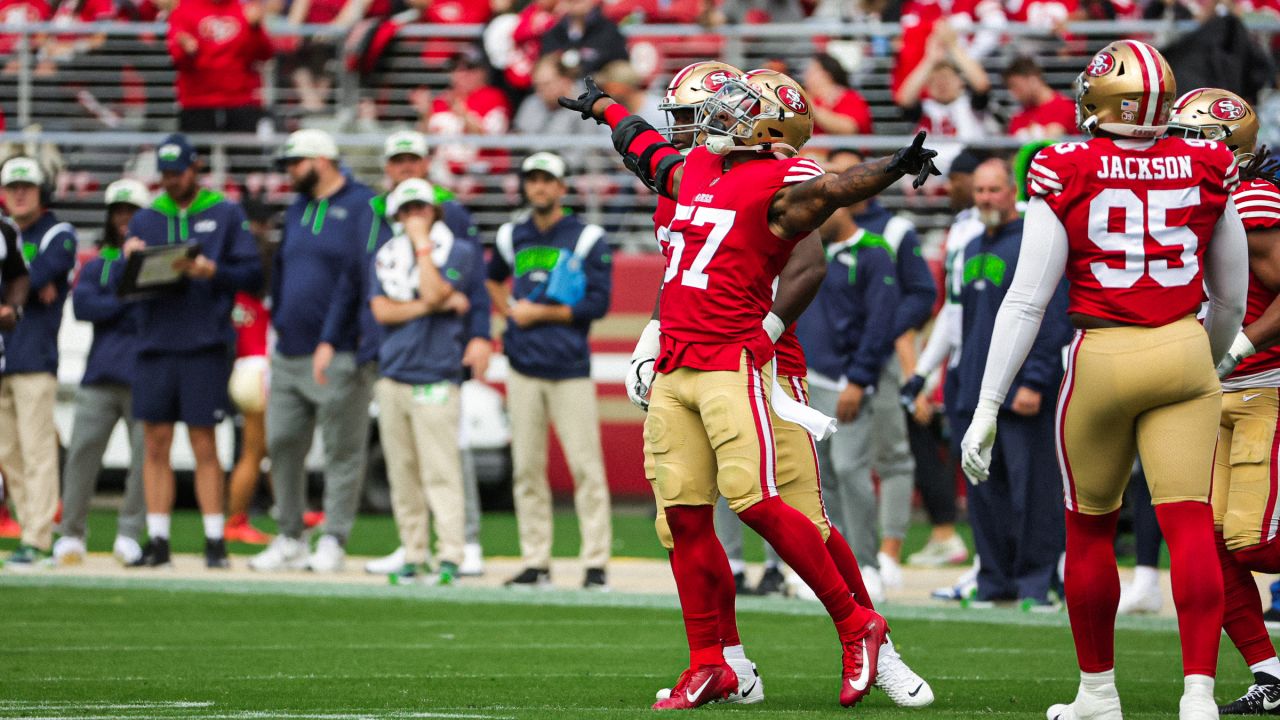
(68, 551)
(750, 687)
(951, 551)
(126, 550)
(798, 588)
(387, 564)
(329, 556)
(890, 571)
(1096, 705)
(284, 553)
(472, 560)
(1197, 701)
(965, 588)
(874, 584)
(1135, 599)
(903, 686)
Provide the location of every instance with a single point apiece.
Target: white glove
(1241, 348)
(640, 372)
(975, 448)
(774, 327)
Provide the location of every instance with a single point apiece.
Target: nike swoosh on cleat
(747, 692)
(694, 697)
(861, 684)
(1269, 704)
(915, 692)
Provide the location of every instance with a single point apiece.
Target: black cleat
(531, 578)
(596, 579)
(772, 582)
(215, 554)
(155, 554)
(1263, 698)
(740, 584)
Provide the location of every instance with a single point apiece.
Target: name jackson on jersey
(1141, 168)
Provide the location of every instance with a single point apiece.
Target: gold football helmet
(688, 90)
(1127, 89)
(764, 110)
(1215, 114)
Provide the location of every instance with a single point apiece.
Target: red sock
(728, 612)
(1242, 609)
(799, 544)
(847, 564)
(1264, 558)
(699, 565)
(1093, 588)
(1197, 582)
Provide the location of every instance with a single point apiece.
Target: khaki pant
(569, 405)
(418, 428)
(29, 452)
(1244, 474)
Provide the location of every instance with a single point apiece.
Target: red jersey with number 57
(1138, 220)
(723, 260)
(1259, 204)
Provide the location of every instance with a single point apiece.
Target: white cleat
(69, 551)
(126, 550)
(798, 588)
(750, 687)
(874, 584)
(329, 556)
(903, 686)
(1197, 701)
(1101, 704)
(472, 561)
(284, 553)
(387, 564)
(951, 551)
(1137, 600)
(890, 571)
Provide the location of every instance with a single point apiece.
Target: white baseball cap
(405, 142)
(127, 191)
(309, 143)
(411, 190)
(21, 170)
(547, 162)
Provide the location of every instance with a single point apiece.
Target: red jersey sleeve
(1050, 172)
(1259, 204)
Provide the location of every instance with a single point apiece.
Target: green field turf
(100, 649)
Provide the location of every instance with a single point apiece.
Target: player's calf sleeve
(1092, 588)
(847, 564)
(1242, 608)
(1196, 577)
(1261, 558)
(799, 544)
(699, 564)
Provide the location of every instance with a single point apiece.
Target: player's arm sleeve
(240, 267)
(1041, 265)
(916, 288)
(598, 267)
(880, 297)
(946, 329)
(93, 299)
(1226, 277)
(479, 320)
(1042, 370)
(55, 261)
(800, 279)
(645, 151)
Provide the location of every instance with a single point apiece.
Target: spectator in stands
(947, 94)
(540, 113)
(28, 438)
(624, 85)
(183, 341)
(550, 358)
(921, 18)
(419, 284)
(1045, 112)
(314, 374)
(217, 47)
(585, 39)
(104, 397)
(516, 49)
(469, 106)
(1016, 515)
(837, 108)
(755, 12)
(310, 67)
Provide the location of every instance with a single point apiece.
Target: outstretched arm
(644, 150)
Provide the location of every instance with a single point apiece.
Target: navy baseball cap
(175, 154)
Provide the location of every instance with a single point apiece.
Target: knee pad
(664, 531)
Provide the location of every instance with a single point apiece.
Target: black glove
(909, 391)
(587, 100)
(915, 159)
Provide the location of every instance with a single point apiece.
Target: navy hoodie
(989, 264)
(847, 331)
(115, 327)
(323, 240)
(916, 288)
(49, 248)
(553, 351)
(197, 317)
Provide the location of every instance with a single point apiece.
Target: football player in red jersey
(1141, 226)
(740, 212)
(1244, 488)
(798, 482)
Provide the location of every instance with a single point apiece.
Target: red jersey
(251, 320)
(223, 72)
(718, 286)
(1259, 204)
(1060, 110)
(1137, 220)
(19, 12)
(851, 105)
(488, 106)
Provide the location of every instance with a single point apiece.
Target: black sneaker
(1272, 615)
(1263, 698)
(155, 554)
(215, 554)
(772, 582)
(531, 578)
(740, 584)
(596, 580)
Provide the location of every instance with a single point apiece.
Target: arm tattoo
(804, 207)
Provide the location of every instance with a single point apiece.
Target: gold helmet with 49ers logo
(1127, 90)
(1215, 114)
(765, 110)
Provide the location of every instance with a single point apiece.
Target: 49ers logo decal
(1226, 109)
(1101, 64)
(716, 80)
(792, 99)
